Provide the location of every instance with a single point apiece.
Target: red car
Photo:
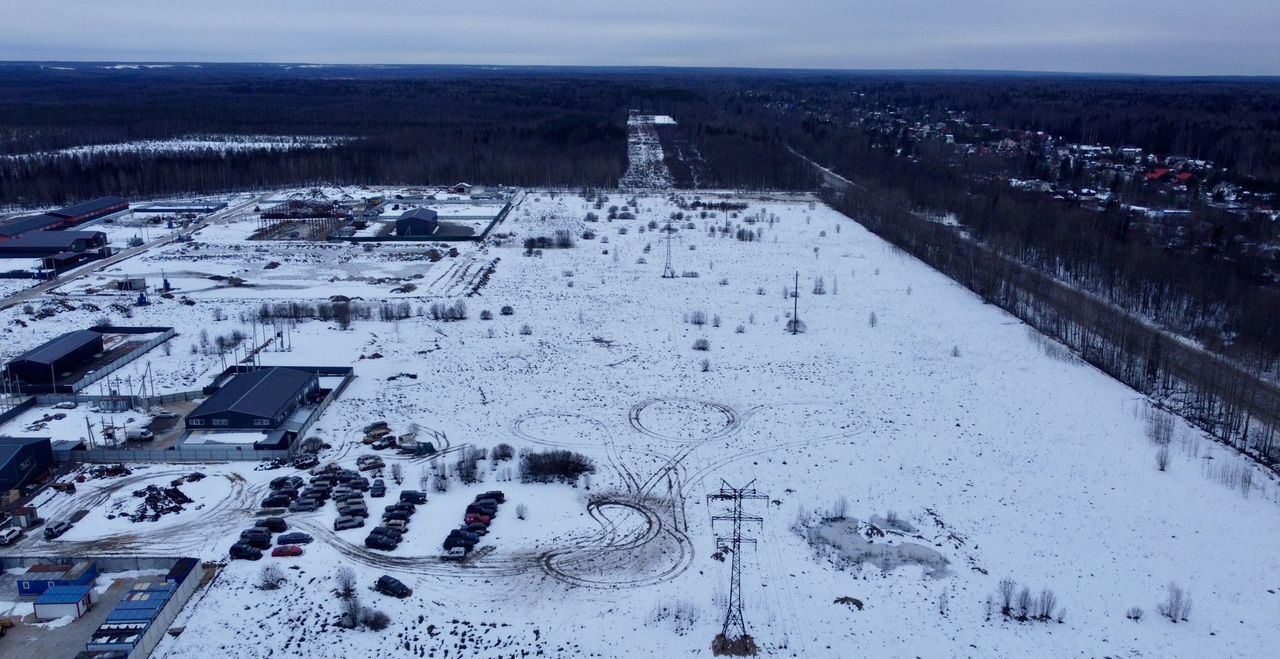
(476, 518)
(287, 550)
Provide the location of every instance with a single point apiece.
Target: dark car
(286, 483)
(391, 586)
(353, 511)
(374, 426)
(396, 514)
(306, 461)
(476, 518)
(464, 533)
(478, 509)
(245, 552)
(295, 538)
(361, 484)
(379, 541)
(276, 501)
(413, 496)
(288, 492)
(459, 541)
(256, 541)
(404, 506)
(378, 491)
(495, 495)
(477, 528)
(274, 524)
(393, 533)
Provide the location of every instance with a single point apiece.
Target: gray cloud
(1168, 37)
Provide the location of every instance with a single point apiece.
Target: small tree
(346, 580)
(1177, 604)
(706, 365)
(702, 344)
(871, 320)
(397, 473)
(1006, 589)
(1024, 603)
(1162, 457)
(486, 315)
(522, 511)
(507, 310)
(526, 330)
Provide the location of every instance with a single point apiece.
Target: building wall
(28, 462)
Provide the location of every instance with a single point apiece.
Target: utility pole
(669, 272)
(734, 633)
(794, 325)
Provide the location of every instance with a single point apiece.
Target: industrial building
(24, 225)
(22, 459)
(62, 601)
(417, 222)
(256, 400)
(90, 210)
(40, 578)
(137, 623)
(39, 244)
(57, 359)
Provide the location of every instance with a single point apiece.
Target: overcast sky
(1180, 37)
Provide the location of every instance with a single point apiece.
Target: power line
(735, 626)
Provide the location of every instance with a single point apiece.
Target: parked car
(305, 461)
(403, 505)
(245, 552)
(388, 585)
(454, 553)
(378, 491)
(458, 541)
(10, 535)
(256, 541)
(477, 518)
(393, 533)
(400, 524)
(295, 538)
(391, 515)
(65, 405)
(353, 511)
(374, 426)
(287, 483)
(382, 444)
(277, 501)
(413, 496)
(382, 542)
(495, 495)
(343, 523)
(304, 506)
(274, 524)
(475, 508)
(139, 435)
(478, 529)
(164, 414)
(464, 533)
(56, 529)
(360, 484)
(287, 550)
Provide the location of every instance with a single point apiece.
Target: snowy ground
(646, 164)
(1009, 459)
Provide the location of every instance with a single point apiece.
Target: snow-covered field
(1006, 458)
(220, 144)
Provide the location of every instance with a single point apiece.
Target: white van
(139, 435)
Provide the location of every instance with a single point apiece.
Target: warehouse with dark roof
(90, 210)
(22, 459)
(55, 359)
(39, 244)
(417, 222)
(24, 225)
(257, 400)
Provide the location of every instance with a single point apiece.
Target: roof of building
(86, 207)
(29, 223)
(419, 214)
(56, 349)
(265, 392)
(64, 594)
(61, 568)
(56, 239)
(9, 446)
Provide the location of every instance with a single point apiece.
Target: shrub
(706, 365)
(346, 579)
(698, 318)
(556, 464)
(507, 310)
(702, 344)
(503, 452)
(522, 511)
(1177, 604)
(374, 619)
(526, 330)
(270, 577)
(1134, 613)
(486, 315)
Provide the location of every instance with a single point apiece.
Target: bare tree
(1162, 457)
(1177, 604)
(270, 577)
(1024, 603)
(346, 580)
(397, 473)
(1006, 588)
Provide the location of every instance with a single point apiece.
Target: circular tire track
(733, 421)
(618, 551)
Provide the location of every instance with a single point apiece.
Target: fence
(17, 409)
(115, 365)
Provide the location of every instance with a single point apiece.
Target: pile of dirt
(156, 503)
(192, 477)
(743, 646)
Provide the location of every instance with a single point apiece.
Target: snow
(646, 164)
(221, 144)
(1007, 457)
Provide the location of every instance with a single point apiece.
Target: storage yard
(639, 348)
